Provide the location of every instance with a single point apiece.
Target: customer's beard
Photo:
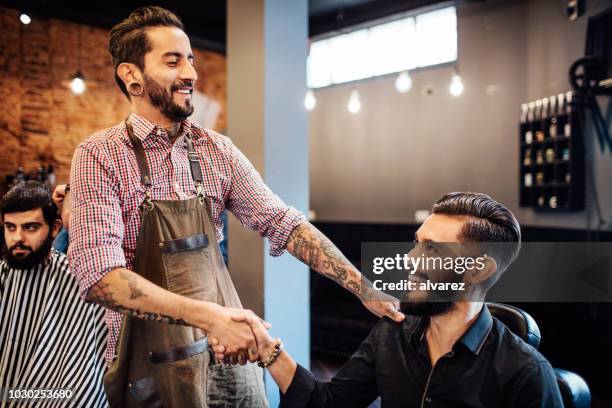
(34, 258)
(426, 309)
(163, 100)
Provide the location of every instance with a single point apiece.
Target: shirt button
(427, 400)
(159, 132)
(177, 187)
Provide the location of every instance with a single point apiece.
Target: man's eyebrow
(176, 54)
(32, 224)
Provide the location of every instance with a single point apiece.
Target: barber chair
(574, 389)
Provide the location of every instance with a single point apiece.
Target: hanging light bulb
(77, 85)
(310, 101)
(354, 105)
(403, 83)
(25, 19)
(456, 85)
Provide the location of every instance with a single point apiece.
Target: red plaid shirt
(107, 191)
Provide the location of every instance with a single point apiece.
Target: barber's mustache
(178, 85)
(20, 246)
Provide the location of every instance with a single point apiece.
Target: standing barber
(147, 196)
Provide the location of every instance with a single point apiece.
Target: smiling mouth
(184, 91)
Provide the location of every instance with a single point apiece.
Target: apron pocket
(234, 386)
(182, 383)
(188, 267)
(145, 393)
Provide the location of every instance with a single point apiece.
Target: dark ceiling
(205, 21)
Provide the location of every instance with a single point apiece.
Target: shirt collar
(473, 338)
(478, 332)
(143, 128)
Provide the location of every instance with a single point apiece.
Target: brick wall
(41, 120)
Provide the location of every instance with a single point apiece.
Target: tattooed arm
(125, 291)
(312, 247)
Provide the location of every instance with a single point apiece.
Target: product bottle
(552, 123)
(568, 109)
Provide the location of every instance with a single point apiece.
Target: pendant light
(354, 104)
(78, 85)
(403, 83)
(310, 101)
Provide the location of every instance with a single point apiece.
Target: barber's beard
(33, 259)
(162, 99)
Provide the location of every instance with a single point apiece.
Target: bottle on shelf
(561, 113)
(527, 158)
(537, 121)
(530, 117)
(552, 122)
(567, 129)
(544, 118)
(524, 110)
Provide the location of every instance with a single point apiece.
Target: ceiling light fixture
(403, 83)
(310, 101)
(25, 19)
(456, 84)
(78, 85)
(354, 104)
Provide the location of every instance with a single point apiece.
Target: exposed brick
(41, 120)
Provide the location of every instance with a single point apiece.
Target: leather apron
(167, 365)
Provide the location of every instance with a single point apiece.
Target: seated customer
(453, 353)
(50, 339)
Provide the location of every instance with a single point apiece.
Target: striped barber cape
(49, 337)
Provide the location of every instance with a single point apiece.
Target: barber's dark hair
(488, 222)
(28, 196)
(129, 41)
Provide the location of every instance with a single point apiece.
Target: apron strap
(194, 164)
(145, 174)
(141, 160)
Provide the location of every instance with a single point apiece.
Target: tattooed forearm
(157, 317)
(102, 294)
(135, 292)
(310, 246)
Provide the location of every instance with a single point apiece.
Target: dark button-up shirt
(487, 367)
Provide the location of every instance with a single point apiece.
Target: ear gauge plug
(135, 89)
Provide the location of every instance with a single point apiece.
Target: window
(413, 42)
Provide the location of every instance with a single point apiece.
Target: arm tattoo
(102, 294)
(135, 292)
(310, 246)
(156, 317)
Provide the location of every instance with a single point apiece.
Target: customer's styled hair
(129, 41)
(488, 222)
(28, 196)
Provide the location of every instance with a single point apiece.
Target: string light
(25, 19)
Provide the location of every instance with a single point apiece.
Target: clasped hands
(240, 336)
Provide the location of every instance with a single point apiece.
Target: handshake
(237, 336)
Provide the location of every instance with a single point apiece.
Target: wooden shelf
(561, 186)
